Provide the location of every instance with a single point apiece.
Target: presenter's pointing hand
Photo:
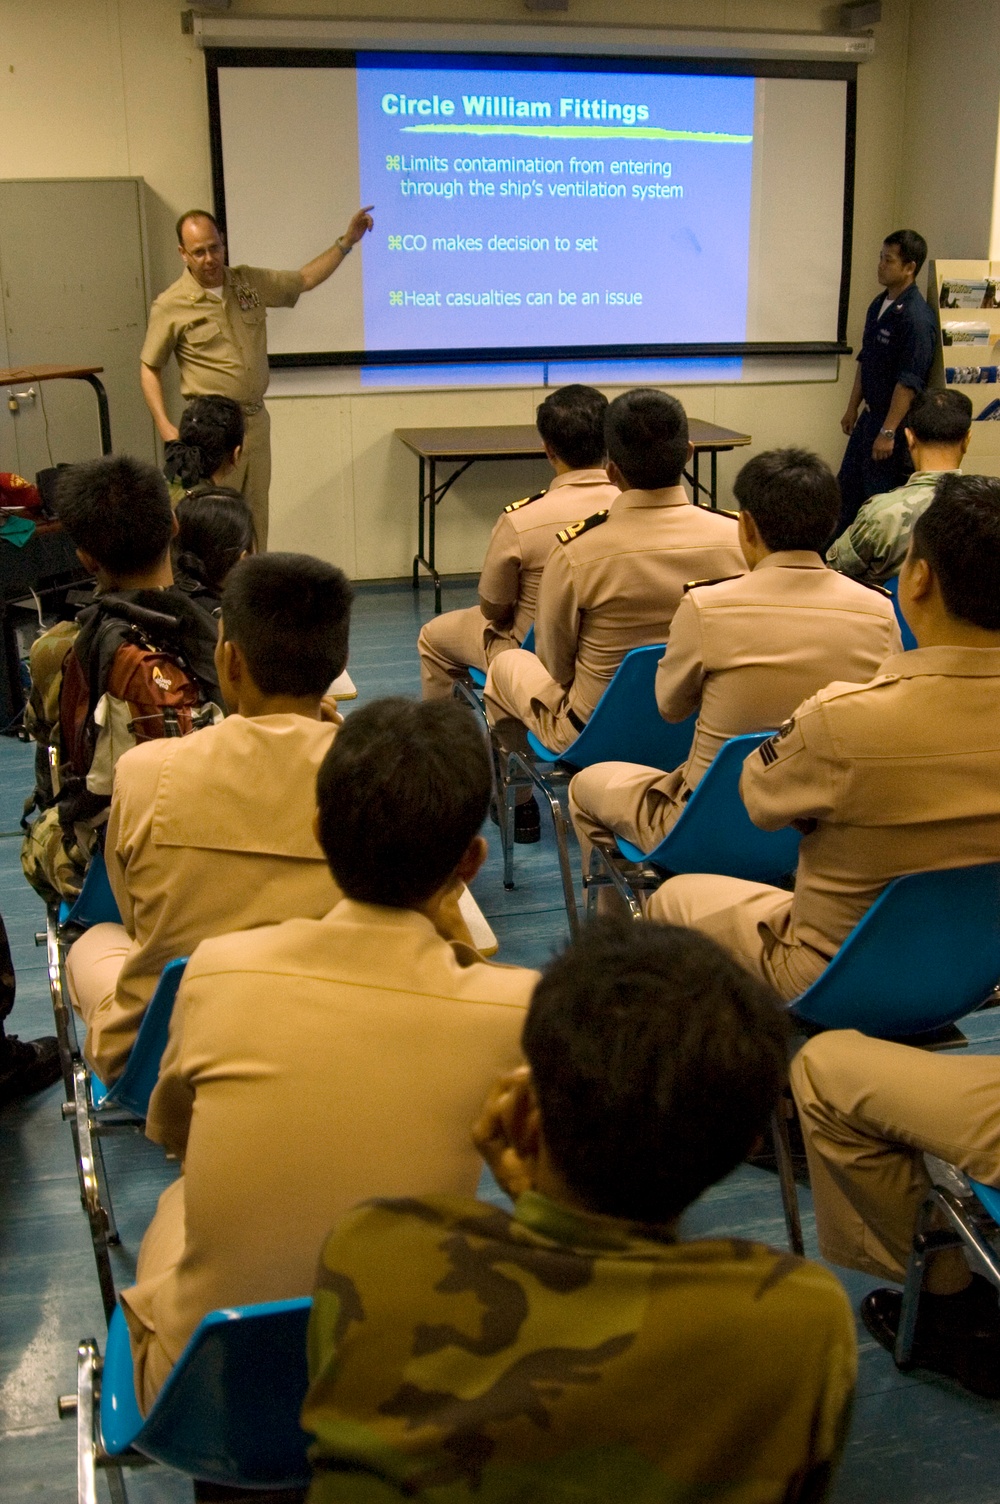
(359, 226)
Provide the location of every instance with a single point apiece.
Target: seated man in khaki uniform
(319, 1062)
(615, 578)
(938, 430)
(571, 424)
(870, 1110)
(562, 1352)
(896, 776)
(214, 832)
(744, 652)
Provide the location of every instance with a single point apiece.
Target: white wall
(123, 92)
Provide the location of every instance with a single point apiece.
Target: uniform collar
(790, 558)
(955, 663)
(666, 496)
(906, 296)
(928, 477)
(192, 288)
(580, 478)
(579, 1229)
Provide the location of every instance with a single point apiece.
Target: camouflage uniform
(458, 1352)
(874, 546)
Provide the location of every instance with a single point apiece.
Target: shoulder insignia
(567, 534)
(724, 512)
(697, 584)
(525, 501)
(878, 589)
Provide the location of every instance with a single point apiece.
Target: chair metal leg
(562, 844)
(90, 1163)
(87, 1368)
(786, 1178)
(516, 775)
(62, 1011)
(914, 1284)
(606, 870)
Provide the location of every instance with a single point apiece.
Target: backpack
(123, 680)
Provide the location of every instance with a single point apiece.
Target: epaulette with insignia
(879, 589)
(697, 584)
(567, 534)
(525, 501)
(724, 512)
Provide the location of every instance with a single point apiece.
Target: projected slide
(546, 208)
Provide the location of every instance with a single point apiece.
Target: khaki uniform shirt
(311, 1065)
(896, 776)
(616, 586)
(459, 1353)
(523, 538)
(874, 546)
(220, 343)
(207, 834)
(745, 652)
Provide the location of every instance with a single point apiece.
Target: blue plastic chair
(926, 953)
(528, 646)
(229, 1411)
(97, 1110)
(626, 726)
(714, 833)
(909, 641)
(95, 903)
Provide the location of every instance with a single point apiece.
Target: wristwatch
(344, 246)
(887, 433)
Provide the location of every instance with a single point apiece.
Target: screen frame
(326, 57)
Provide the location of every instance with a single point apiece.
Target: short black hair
(939, 417)
(215, 529)
(571, 421)
(657, 1060)
(647, 438)
(959, 537)
(117, 509)
(402, 792)
(792, 496)
(911, 247)
(195, 214)
(290, 616)
(211, 428)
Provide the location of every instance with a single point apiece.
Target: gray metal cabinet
(74, 290)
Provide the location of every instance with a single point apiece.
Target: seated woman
(215, 530)
(207, 450)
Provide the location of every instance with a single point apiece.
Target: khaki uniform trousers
(453, 641)
(253, 473)
(518, 685)
(160, 1252)
(749, 920)
(870, 1110)
(93, 964)
(624, 799)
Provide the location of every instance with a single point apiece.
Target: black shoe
(27, 1066)
(527, 821)
(970, 1354)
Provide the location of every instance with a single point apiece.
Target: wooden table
(462, 447)
(15, 375)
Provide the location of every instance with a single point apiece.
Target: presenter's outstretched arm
(316, 271)
(152, 390)
(850, 417)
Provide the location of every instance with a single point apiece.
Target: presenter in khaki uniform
(214, 832)
(896, 776)
(214, 320)
(318, 1063)
(571, 424)
(745, 652)
(614, 579)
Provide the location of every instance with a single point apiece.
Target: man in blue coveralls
(896, 354)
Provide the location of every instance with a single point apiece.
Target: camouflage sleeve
(856, 552)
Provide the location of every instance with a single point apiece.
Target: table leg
(432, 541)
(715, 479)
(103, 412)
(420, 526)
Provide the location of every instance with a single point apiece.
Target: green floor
(915, 1439)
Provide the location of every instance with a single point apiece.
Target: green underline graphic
(580, 132)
